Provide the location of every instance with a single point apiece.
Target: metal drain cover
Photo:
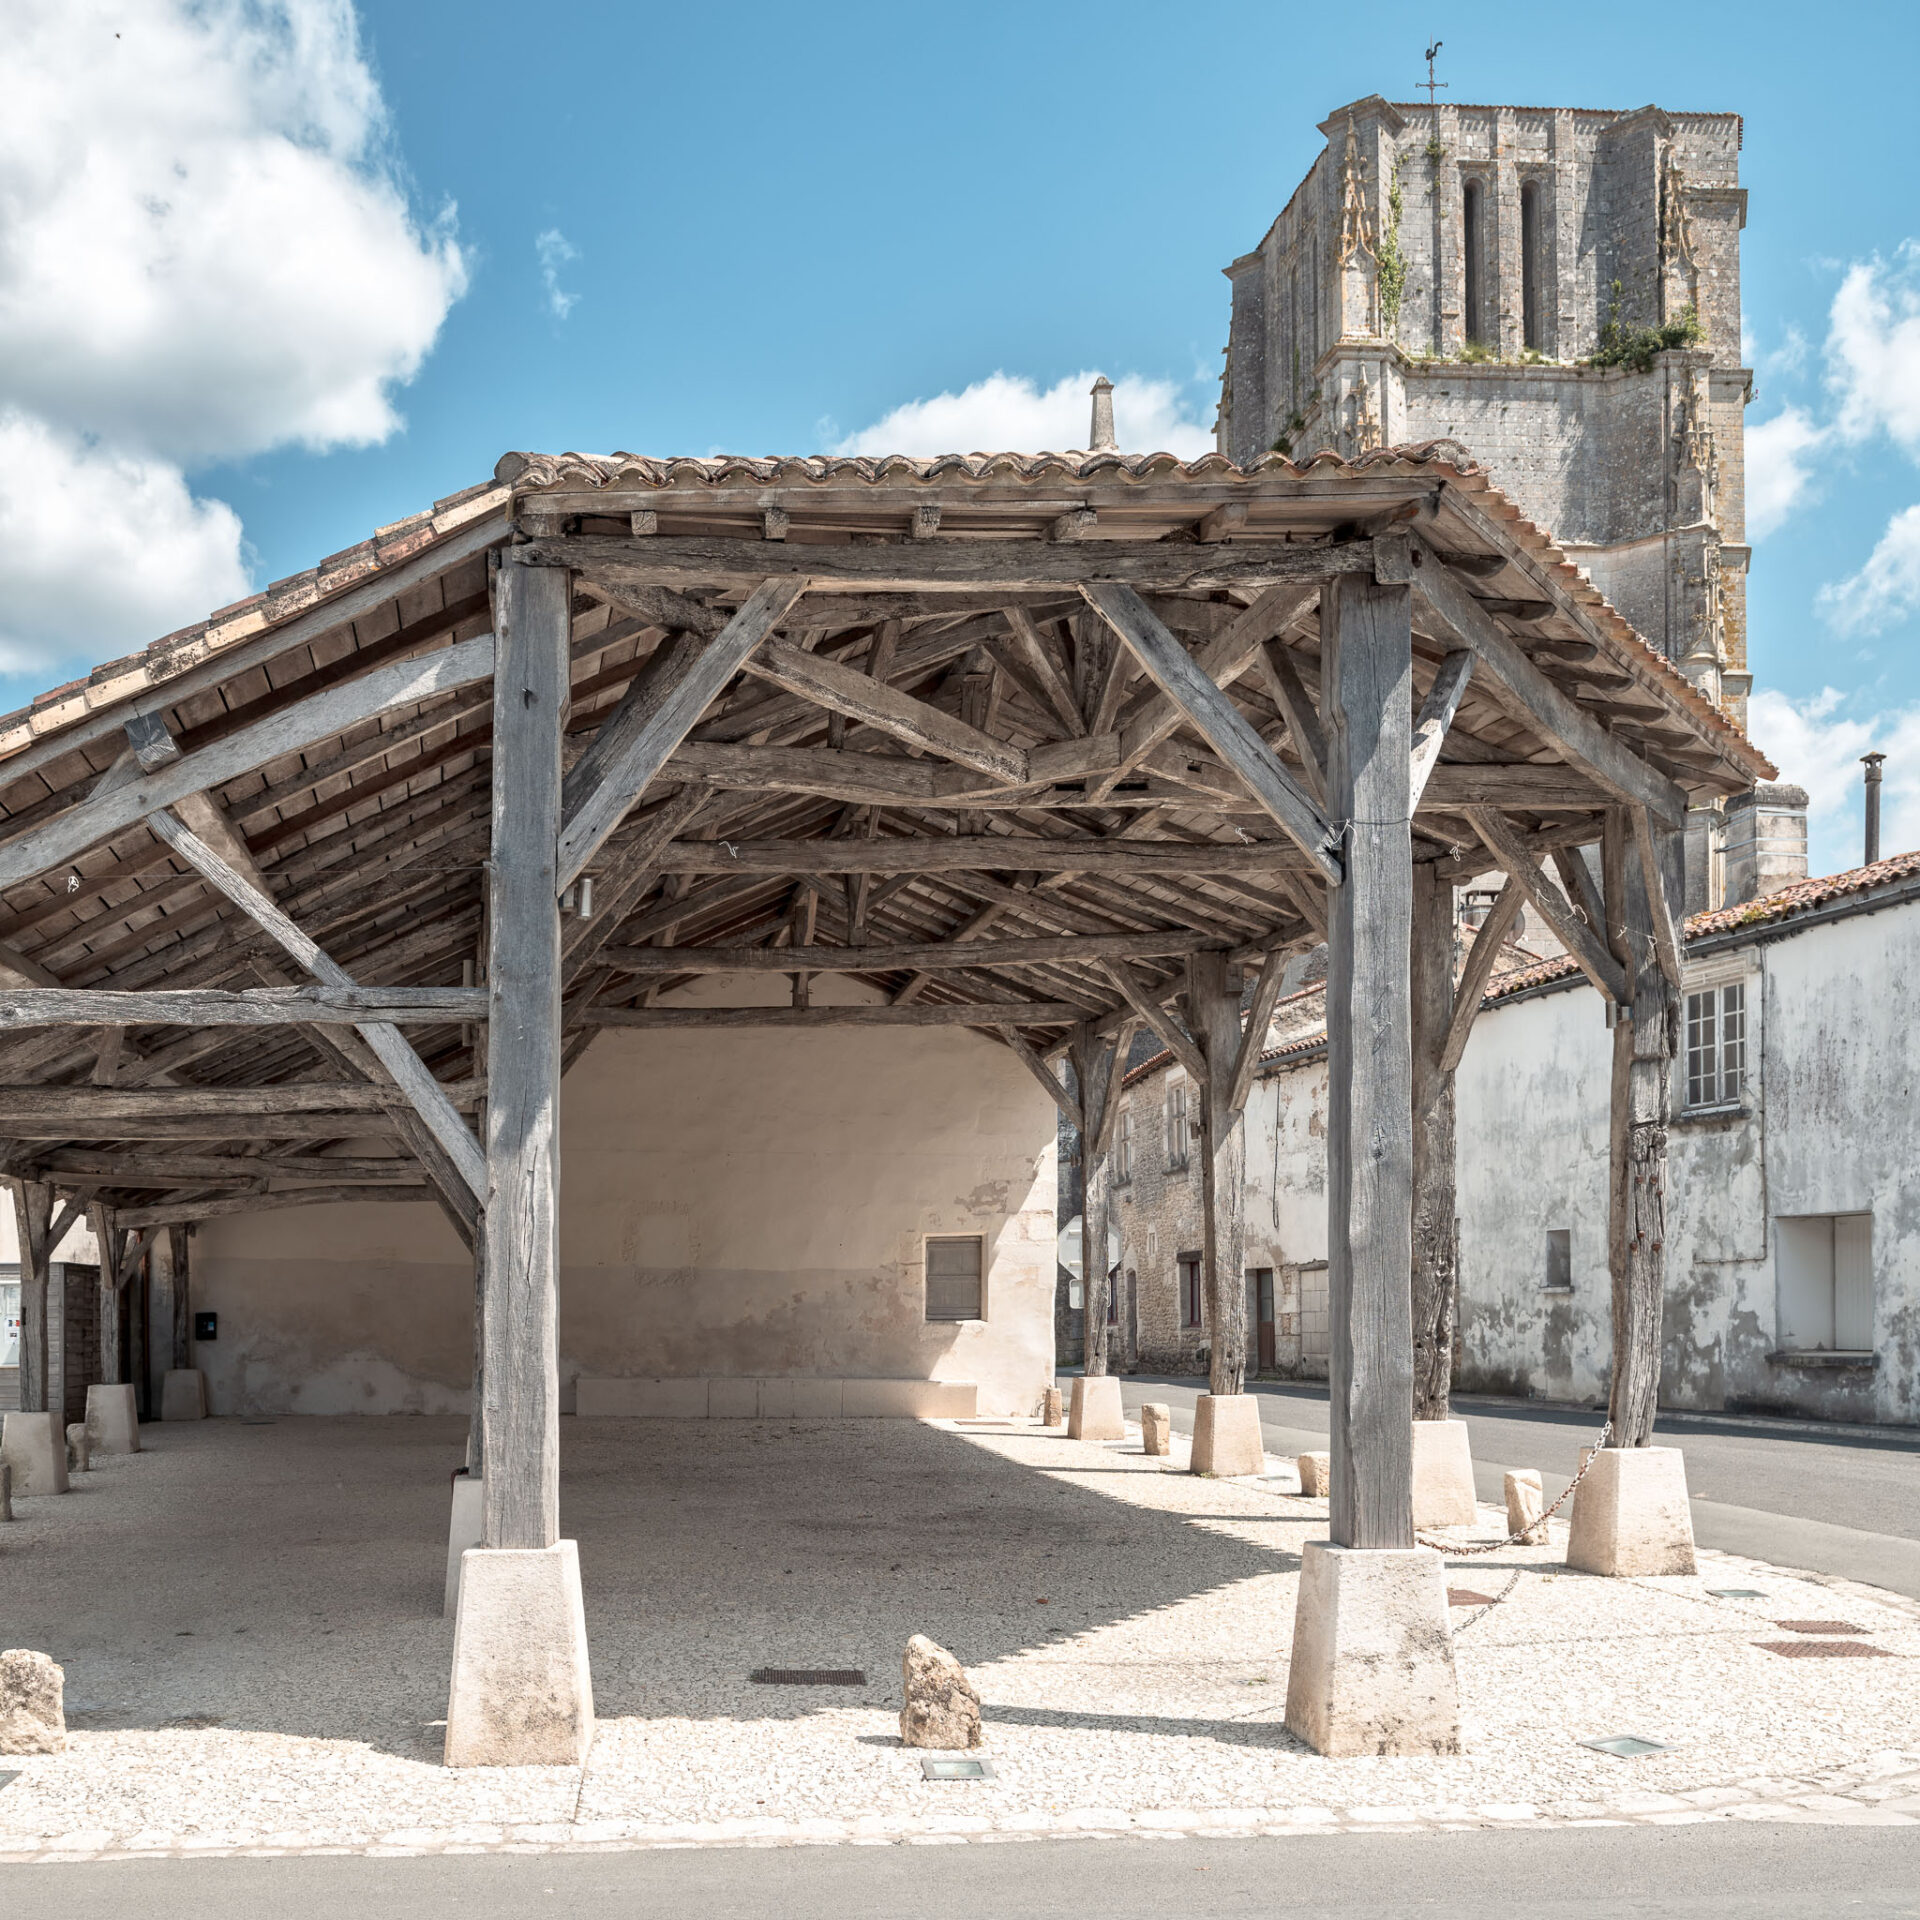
(932, 1767)
(808, 1677)
(1819, 1626)
(1466, 1597)
(1823, 1649)
(1627, 1746)
(7, 1779)
(1735, 1593)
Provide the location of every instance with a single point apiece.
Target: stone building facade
(1510, 278)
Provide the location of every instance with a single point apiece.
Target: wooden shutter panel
(953, 1278)
(1853, 1282)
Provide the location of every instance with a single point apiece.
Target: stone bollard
(1316, 1470)
(32, 1717)
(183, 1394)
(1156, 1427)
(1094, 1412)
(1052, 1408)
(1226, 1436)
(79, 1448)
(6, 1491)
(113, 1421)
(33, 1445)
(1631, 1515)
(1442, 1475)
(941, 1707)
(1526, 1503)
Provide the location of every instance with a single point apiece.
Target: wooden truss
(1050, 749)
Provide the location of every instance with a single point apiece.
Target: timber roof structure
(1004, 737)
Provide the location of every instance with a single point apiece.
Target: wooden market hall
(321, 904)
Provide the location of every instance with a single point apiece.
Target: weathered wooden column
(112, 1244)
(1213, 1007)
(1436, 1249)
(1631, 1516)
(180, 1241)
(521, 1693)
(1094, 1409)
(33, 1216)
(1644, 1042)
(1372, 1665)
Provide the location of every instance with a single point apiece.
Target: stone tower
(1557, 290)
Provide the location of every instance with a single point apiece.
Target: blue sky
(767, 229)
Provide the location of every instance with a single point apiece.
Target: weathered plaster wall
(735, 1203)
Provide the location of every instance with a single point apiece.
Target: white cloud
(1817, 746)
(1887, 588)
(554, 251)
(1873, 348)
(70, 569)
(1010, 413)
(207, 251)
(1778, 472)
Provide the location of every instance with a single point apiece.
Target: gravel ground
(248, 1616)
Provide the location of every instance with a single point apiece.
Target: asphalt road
(1736, 1871)
(1841, 1502)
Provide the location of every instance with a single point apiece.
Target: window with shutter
(954, 1268)
(1823, 1265)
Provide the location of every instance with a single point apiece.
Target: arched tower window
(1474, 225)
(1533, 332)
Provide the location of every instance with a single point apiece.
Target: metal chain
(1522, 1538)
(1489, 1606)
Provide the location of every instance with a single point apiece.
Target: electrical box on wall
(206, 1326)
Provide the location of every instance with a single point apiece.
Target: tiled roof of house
(1305, 1036)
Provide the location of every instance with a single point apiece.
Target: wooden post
(112, 1244)
(1213, 1011)
(1094, 1077)
(1436, 1250)
(33, 1214)
(477, 1414)
(521, 1440)
(1644, 1040)
(180, 1240)
(160, 1347)
(1367, 676)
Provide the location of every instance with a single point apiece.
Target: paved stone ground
(248, 1618)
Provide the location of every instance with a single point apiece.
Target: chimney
(1871, 761)
(1766, 842)
(1101, 439)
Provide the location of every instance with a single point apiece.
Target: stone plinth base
(1631, 1515)
(1442, 1474)
(183, 1394)
(1094, 1412)
(1226, 1435)
(1316, 1474)
(1372, 1669)
(522, 1695)
(113, 1422)
(466, 1528)
(34, 1445)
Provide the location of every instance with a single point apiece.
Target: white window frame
(1179, 1124)
(1823, 1277)
(1716, 1047)
(927, 1243)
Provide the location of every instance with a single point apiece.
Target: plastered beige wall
(733, 1203)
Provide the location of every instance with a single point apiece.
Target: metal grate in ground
(1823, 1649)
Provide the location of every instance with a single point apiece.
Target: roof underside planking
(946, 771)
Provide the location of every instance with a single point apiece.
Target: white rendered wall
(733, 1203)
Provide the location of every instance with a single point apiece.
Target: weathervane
(1434, 87)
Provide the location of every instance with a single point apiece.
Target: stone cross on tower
(1100, 437)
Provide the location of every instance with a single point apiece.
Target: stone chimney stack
(1871, 761)
(1101, 439)
(1766, 845)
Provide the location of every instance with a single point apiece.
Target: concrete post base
(183, 1394)
(1226, 1435)
(1442, 1475)
(1631, 1515)
(34, 1445)
(1094, 1412)
(113, 1422)
(467, 1527)
(1372, 1666)
(522, 1695)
